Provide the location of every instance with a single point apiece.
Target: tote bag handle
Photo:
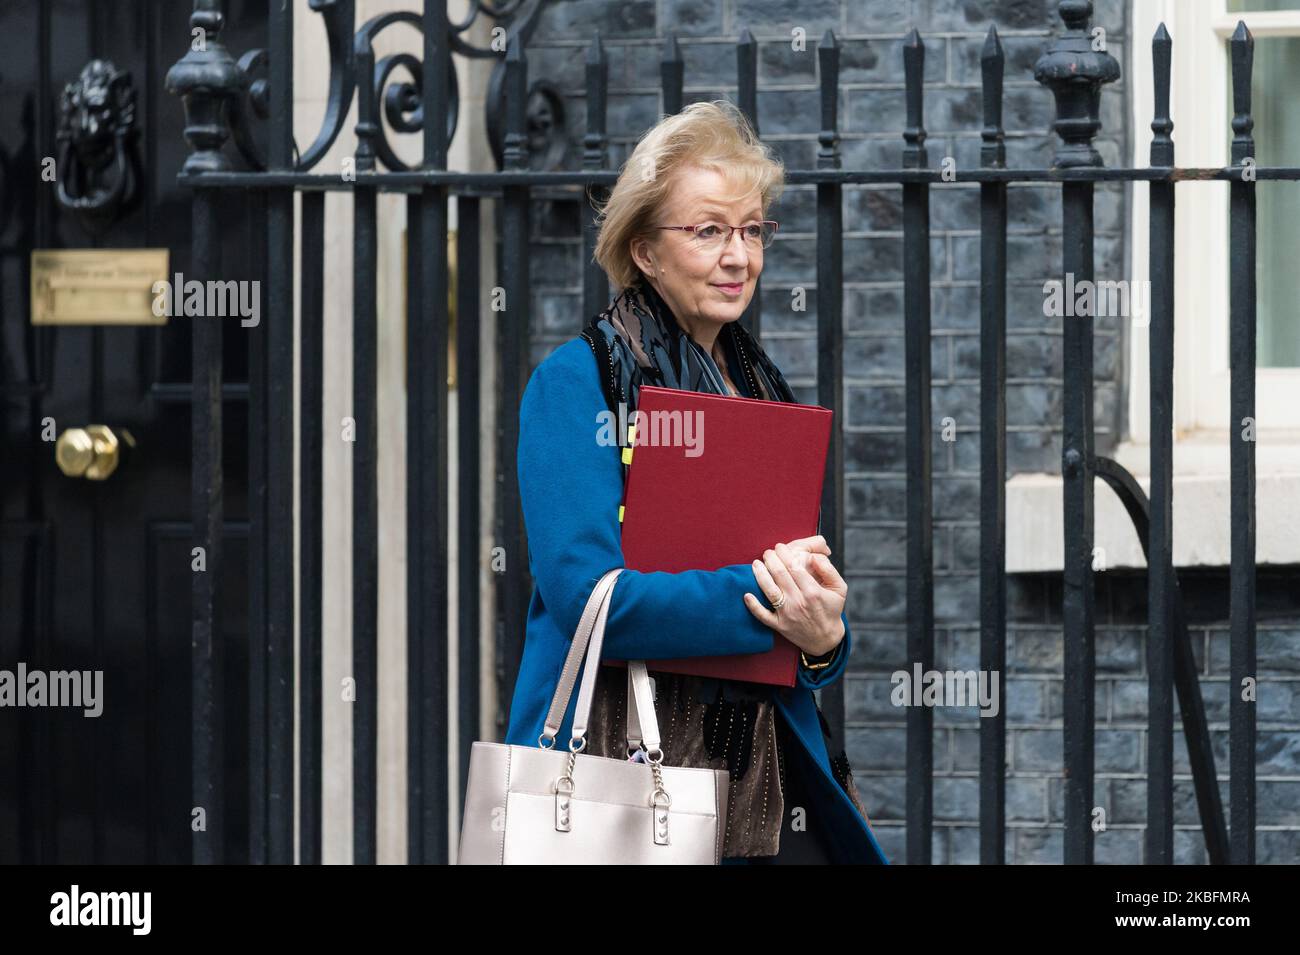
(588, 639)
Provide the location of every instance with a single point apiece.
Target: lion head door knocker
(546, 129)
(97, 168)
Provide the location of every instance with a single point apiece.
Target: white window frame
(1202, 133)
(1200, 108)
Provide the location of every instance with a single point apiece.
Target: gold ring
(778, 603)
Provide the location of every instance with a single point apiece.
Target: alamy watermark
(211, 299)
(78, 908)
(667, 428)
(24, 687)
(1087, 298)
(947, 688)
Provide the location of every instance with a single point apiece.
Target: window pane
(1248, 6)
(1276, 111)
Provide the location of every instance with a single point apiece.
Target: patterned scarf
(638, 341)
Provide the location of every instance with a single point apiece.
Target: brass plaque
(97, 286)
(452, 272)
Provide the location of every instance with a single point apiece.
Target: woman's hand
(814, 591)
(811, 545)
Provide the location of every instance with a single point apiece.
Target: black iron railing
(221, 95)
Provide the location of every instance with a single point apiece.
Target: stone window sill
(1202, 526)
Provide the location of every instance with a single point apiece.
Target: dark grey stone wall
(871, 108)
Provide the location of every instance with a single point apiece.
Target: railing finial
(672, 71)
(914, 156)
(515, 153)
(597, 74)
(1243, 60)
(828, 139)
(1162, 144)
(747, 77)
(1074, 67)
(993, 150)
(205, 79)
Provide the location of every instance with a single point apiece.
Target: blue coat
(571, 487)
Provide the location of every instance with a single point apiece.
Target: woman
(683, 235)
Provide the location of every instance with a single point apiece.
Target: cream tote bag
(539, 805)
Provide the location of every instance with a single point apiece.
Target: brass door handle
(91, 452)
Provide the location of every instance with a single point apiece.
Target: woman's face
(689, 280)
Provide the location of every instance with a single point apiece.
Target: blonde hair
(712, 135)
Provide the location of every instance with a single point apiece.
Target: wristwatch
(821, 662)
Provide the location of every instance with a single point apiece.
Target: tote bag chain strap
(588, 639)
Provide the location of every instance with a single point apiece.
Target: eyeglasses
(712, 237)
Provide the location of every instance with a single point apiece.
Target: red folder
(716, 480)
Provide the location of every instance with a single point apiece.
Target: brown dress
(755, 803)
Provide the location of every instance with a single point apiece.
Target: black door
(95, 575)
